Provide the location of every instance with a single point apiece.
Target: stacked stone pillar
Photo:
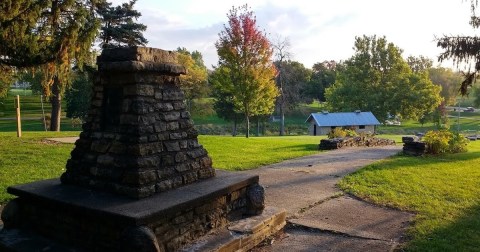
(138, 138)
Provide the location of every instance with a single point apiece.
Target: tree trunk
(234, 131)
(258, 126)
(247, 125)
(282, 119)
(56, 101)
(264, 125)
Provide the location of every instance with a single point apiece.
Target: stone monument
(137, 179)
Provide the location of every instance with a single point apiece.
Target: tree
(194, 83)
(464, 50)
(79, 95)
(221, 92)
(281, 47)
(118, 26)
(476, 96)
(419, 64)
(246, 52)
(323, 76)
(448, 80)
(295, 78)
(51, 35)
(377, 79)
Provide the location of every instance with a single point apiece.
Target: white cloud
(318, 30)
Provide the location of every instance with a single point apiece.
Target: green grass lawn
(443, 191)
(31, 158)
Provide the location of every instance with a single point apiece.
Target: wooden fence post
(19, 121)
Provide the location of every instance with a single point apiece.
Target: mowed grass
(240, 153)
(443, 191)
(32, 158)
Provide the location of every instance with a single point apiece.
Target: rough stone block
(142, 90)
(167, 160)
(185, 115)
(177, 135)
(180, 157)
(206, 173)
(171, 116)
(160, 127)
(166, 172)
(172, 126)
(164, 185)
(179, 105)
(190, 177)
(182, 167)
(100, 146)
(185, 123)
(164, 107)
(172, 146)
(105, 160)
(183, 144)
(118, 148)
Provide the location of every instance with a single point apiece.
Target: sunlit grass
(443, 191)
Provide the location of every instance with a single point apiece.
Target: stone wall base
(242, 235)
(82, 219)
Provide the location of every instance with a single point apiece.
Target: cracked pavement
(320, 216)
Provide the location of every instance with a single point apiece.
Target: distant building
(323, 123)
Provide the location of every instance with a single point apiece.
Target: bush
(458, 143)
(350, 133)
(444, 141)
(337, 133)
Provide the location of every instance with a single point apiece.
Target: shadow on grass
(462, 234)
(299, 147)
(401, 160)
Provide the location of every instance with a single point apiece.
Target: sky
(318, 30)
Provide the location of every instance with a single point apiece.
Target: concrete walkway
(320, 216)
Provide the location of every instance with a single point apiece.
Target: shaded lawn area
(31, 158)
(444, 191)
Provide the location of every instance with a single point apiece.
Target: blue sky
(318, 30)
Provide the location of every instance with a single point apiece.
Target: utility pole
(19, 121)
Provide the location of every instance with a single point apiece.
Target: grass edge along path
(443, 191)
(31, 158)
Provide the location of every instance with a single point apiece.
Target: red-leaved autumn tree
(246, 52)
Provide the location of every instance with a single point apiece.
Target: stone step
(241, 235)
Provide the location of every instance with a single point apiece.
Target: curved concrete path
(320, 216)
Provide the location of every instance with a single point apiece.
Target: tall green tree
(377, 79)
(449, 80)
(79, 95)
(194, 84)
(223, 104)
(119, 26)
(247, 53)
(295, 80)
(464, 50)
(323, 76)
(50, 34)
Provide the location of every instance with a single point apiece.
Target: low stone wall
(338, 143)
